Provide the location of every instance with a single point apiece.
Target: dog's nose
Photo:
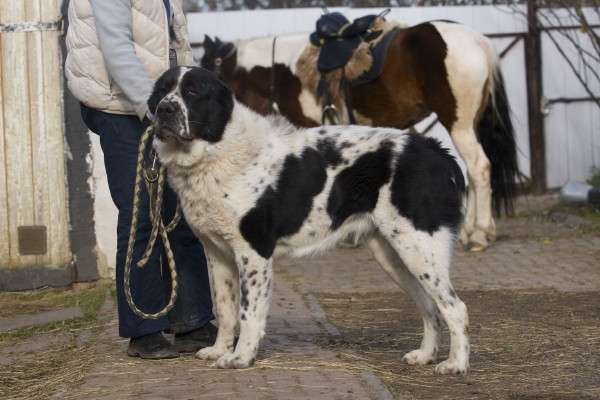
(166, 109)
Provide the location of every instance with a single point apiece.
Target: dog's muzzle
(170, 124)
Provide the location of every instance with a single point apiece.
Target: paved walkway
(290, 365)
(529, 254)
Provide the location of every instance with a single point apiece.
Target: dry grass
(42, 366)
(45, 299)
(39, 377)
(89, 298)
(525, 345)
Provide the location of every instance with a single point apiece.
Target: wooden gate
(33, 203)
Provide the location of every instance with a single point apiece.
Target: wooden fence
(33, 202)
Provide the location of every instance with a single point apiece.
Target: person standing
(116, 51)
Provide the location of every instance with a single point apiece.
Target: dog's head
(189, 104)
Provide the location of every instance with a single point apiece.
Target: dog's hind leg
(225, 288)
(255, 274)
(427, 257)
(388, 259)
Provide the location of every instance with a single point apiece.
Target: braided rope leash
(155, 186)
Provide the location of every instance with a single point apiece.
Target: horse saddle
(338, 38)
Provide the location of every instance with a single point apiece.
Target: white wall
(572, 130)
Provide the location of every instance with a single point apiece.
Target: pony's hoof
(475, 247)
(477, 242)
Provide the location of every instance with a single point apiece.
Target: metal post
(533, 60)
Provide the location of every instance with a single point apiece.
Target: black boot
(197, 339)
(152, 347)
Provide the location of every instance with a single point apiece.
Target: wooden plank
(17, 131)
(39, 166)
(534, 89)
(59, 247)
(4, 231)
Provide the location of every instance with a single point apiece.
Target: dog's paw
(211, 353)
(451, 367)
(419, 357)
(234, 361)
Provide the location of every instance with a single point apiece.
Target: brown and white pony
(441, 67)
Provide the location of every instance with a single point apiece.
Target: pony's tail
(496, 135)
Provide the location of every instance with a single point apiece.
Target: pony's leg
(479, 200)
(388, 259)
(427, 257)
(468, 226)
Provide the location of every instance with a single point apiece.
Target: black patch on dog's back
(356, 188)
(329, 151)
(280, 211)
(428, 185)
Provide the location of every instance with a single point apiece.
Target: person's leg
(119, 136)
(193, 309)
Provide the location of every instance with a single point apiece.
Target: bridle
(219, 61)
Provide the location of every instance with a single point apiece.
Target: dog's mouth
(170, 134)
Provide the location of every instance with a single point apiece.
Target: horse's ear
(208, 42)
(227, 49)
(218, 41)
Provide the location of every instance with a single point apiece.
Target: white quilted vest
(86, 73)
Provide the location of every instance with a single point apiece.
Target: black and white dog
(252, 186)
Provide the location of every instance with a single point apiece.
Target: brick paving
(530, 253)
(290, 365)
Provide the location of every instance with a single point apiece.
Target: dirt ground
(526, 344)
(339, 327)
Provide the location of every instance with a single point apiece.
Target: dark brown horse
(439, 67)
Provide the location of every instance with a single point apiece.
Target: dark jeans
(150, 286)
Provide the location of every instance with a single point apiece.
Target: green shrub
(595, 178)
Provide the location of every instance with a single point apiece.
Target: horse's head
(219, 56)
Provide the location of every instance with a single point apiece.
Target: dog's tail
(496, 135)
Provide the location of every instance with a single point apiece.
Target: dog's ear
(154, 99)
(210, 104)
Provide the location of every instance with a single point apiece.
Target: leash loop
(155, 191)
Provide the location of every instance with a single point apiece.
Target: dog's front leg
(255, 275)
(225, 287)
